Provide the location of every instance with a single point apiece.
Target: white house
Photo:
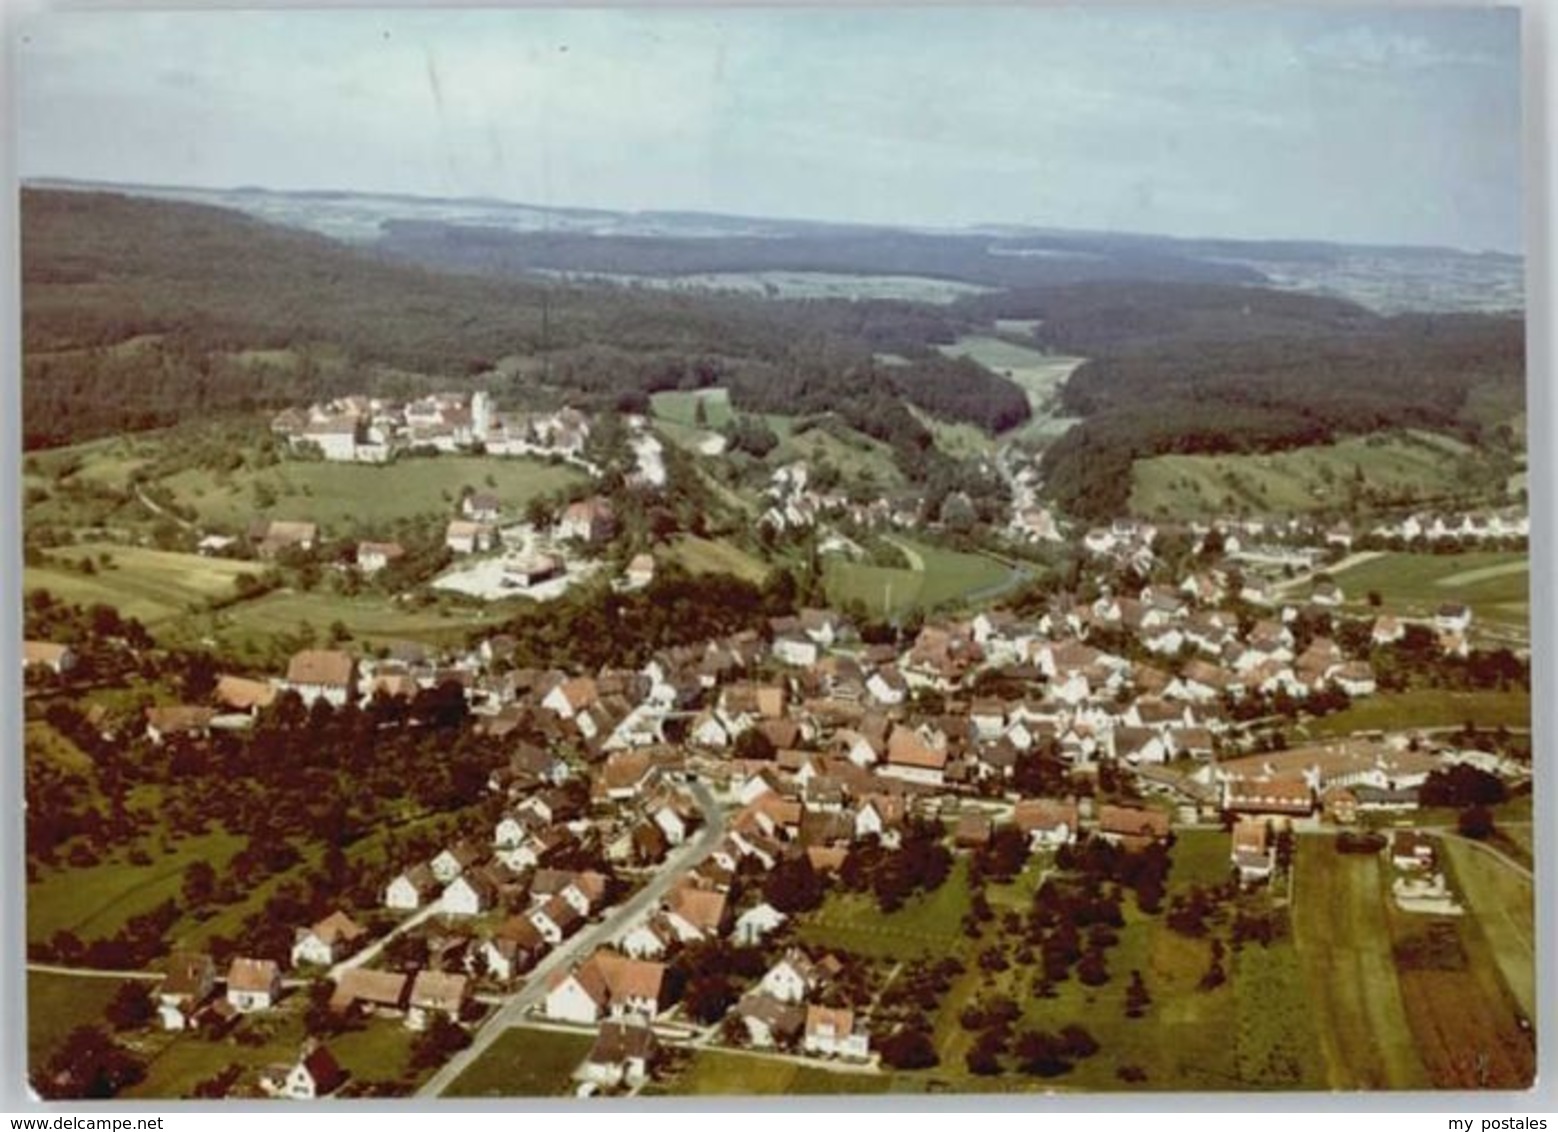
(796, 976)
(411, 889)
(465, 537)
(253, 984)
(316, 1074)
(755, 923)
(326, 942)
(832, 1032)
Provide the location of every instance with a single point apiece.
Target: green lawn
(941, 577)
(1428, 707)
(1496, 585)
(57, 1004)
(525, 1063)
(1415, 465)
(1349, 971)
(344, 497)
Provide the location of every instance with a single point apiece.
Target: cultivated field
(149, 585)
(525, 1063)
(1344, 952)
(1407, 467)
(1502, 899)
(1496, 585)
(1428, 708)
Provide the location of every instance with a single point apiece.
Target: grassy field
(1200, 858)
(1408, 466)
(150, 585)
(344, 497)
(1502, 900)
(925, 925)
(96, 901)
(705, 556)
(1039, 374)
(1349, 973)
(368, 617)
(57, 1004)
(860, 458)
(939, 577)
(525, 1063)
(1497, 586)
(962, 441)
(1428, 707)
(727, 1073)
(680, 406)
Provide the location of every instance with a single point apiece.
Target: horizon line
(1027, 227)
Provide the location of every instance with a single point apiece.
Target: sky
(1354, 125)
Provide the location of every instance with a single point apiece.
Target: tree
(908, 1049)
(1475, 822)
(1136, 997)
(199, 887)
(1041, 1054)
(708, 997)
(438, 1042)
(88, 1066)
(794, 886)
(1077, 1042)
(130, 1008)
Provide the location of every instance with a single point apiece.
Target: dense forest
(137, 313)
(964, 257)
(191, 288)
(1206, 370)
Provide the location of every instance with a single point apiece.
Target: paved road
(513, 1011)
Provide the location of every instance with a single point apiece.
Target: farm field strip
(1343, 942)
(1504, 906)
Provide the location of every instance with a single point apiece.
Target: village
(704, 804)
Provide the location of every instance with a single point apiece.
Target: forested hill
(201, 285)
(965, 257)
(1209, 369)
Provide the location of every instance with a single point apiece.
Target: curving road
(514, 1008)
